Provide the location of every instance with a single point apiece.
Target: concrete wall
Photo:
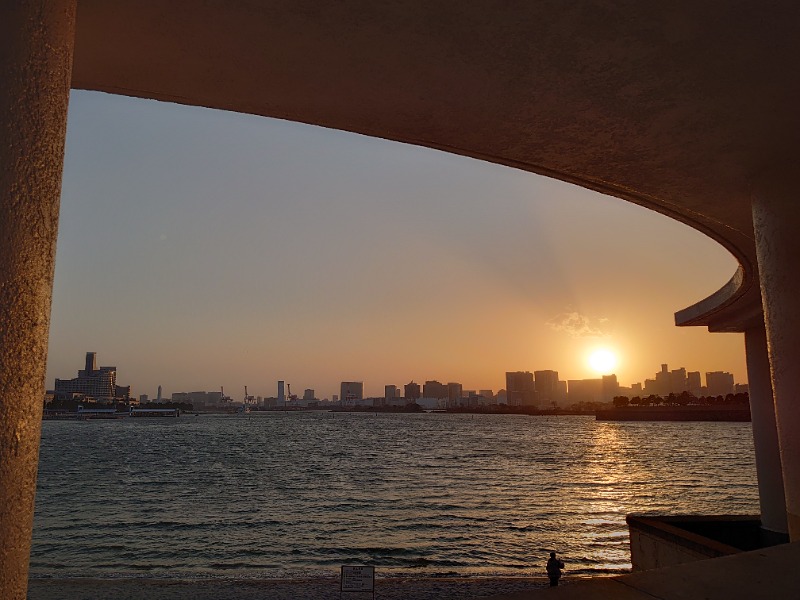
(658, 542)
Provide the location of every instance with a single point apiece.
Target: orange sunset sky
(200, 249)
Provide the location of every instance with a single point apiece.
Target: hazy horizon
(201, 248)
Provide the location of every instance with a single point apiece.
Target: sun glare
(603, 361)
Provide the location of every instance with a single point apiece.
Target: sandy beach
(317, 589)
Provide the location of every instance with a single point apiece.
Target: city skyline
(519, 388)
(200, 249)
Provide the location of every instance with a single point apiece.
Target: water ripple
(293, 494)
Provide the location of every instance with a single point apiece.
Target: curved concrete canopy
(678, 106)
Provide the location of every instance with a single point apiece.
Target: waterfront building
(719, 383)
(546, 384)
(585, 390)
(678, 381)
(520, 388)
(412, 391)
(610, 387)
(281, 393)
(308, 395)
(454, 393)
(562, 391)
(434, 389)
(198, 400)
(390, 393)
(351, 392)
(693, 383)
(662, 387)
(92, 383)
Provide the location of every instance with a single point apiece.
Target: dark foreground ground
(314, 589)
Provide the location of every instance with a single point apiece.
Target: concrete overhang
(676, 106)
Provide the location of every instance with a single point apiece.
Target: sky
(200, 248)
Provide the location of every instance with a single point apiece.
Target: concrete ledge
(662, 541)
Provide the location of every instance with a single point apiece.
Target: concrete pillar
(776, 224)
(36, 40)
(765, 433)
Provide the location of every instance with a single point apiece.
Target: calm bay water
(299, 494)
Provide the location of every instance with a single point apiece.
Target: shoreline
(319, 588)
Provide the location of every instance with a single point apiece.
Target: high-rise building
(610, 387)
(434, 389)
(678, 381)
(562, 391)
(719, 383)
(92, 383)
(281, 393)
(308, 395)
(520, 388)
(412, 391)
(454, 393)
(546, 383)
(693, 383)
(390, 392)
(585, 390)
(351, 391)
(91, 362)
(662, 387)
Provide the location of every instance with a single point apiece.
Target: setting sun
(603, 361)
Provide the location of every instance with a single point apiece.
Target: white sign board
(358, 579)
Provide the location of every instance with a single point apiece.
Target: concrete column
(776, 224)
(765, 433)
(36, 40)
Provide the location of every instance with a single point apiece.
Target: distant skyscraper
(281, 393)
(662, 387)
(434, 389)
(454, 393)
(412, 391)
(546, 386)
(693, 382)
(610, 387)
(91, 362)
(520, 389)
(92, 382)
(719, 383)
(158, 397)
(390, 392)
(677, 381)
(351, 391)
(308, 395)
(562, 391)
(585, 390)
